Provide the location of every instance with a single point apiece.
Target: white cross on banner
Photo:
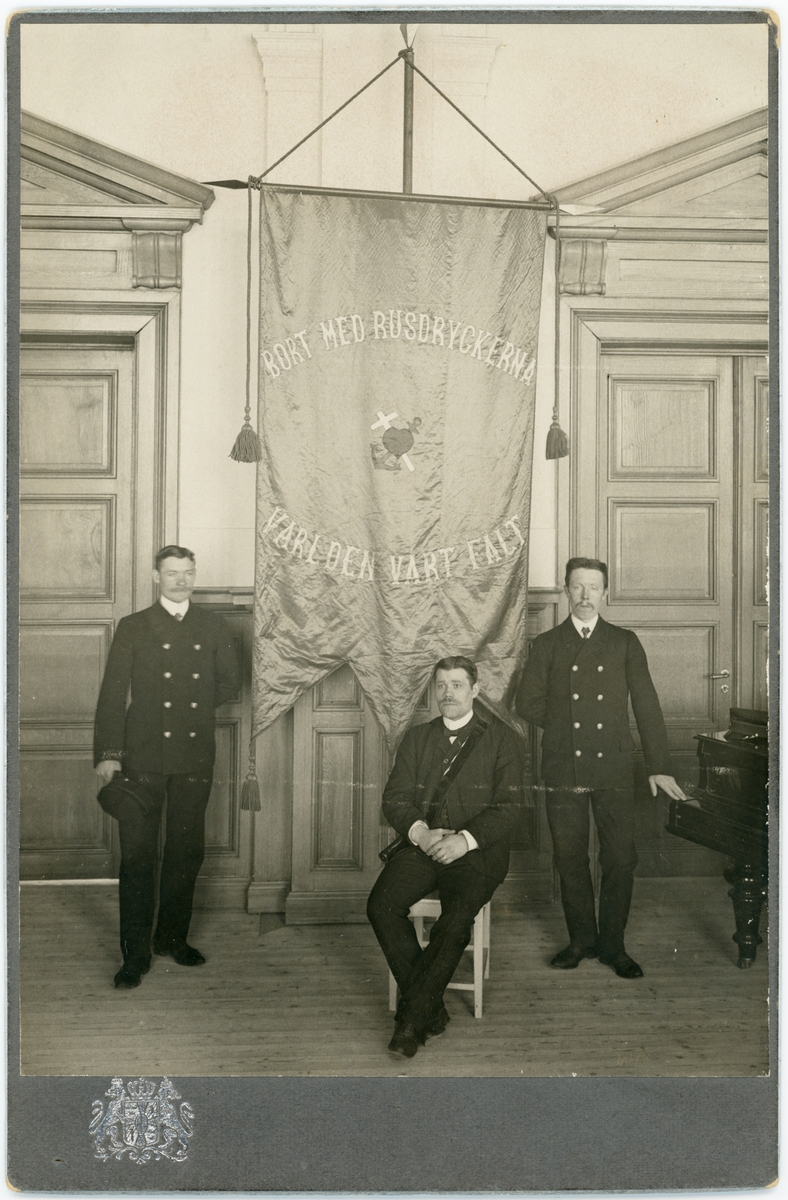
(397, 379)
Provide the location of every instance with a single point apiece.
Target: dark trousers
(422, 975)
(614, 814)
(184, 850)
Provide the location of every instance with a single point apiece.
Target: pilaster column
(461, 67)
(293, 81)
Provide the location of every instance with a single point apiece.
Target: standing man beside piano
(169, 667)
(577, 685)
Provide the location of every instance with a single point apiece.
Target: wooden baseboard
(221, 893)
(268, 897)
(326, 908)
(54, 864)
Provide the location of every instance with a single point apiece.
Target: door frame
(593, 326)
(153, 321)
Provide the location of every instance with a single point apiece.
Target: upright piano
(728, 811)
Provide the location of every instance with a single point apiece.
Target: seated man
(459, 837)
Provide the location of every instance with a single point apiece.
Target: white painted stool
(479, 947)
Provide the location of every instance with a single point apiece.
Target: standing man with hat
(577, 685)
(175, 664)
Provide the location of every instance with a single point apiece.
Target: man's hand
(427, 838)
(449, 849)
(668, 784)
(106, 769)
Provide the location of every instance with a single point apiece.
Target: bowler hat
(124, 797)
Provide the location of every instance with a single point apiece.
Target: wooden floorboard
(274, 999)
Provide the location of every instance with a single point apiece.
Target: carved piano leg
(747, 894)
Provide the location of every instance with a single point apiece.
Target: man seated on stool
(462, 851)
(577, 684)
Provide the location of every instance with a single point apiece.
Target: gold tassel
(557, 441)
(247, 445)
(250, 792)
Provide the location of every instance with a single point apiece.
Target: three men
(459, 844)
(178, 663)
(576, 685)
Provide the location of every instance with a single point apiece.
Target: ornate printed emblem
(141, 1122)
(397, 440)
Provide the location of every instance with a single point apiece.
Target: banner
(397, 377)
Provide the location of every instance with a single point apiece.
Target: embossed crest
(141, 1122)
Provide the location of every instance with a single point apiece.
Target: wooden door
(664, 498)
(340, 765)
(750, 678)
(76, 581)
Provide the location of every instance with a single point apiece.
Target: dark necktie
(586, 631)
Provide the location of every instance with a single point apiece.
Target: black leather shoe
(572, 956)
(624, 966)
(436, 1026)
(405, 1041)
(130, 974)
(184, 954)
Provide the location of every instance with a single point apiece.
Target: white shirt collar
(581, 625)
(458, 724)
(173, 608)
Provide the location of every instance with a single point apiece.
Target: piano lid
(748, 725)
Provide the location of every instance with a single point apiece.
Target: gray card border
(397, 1135)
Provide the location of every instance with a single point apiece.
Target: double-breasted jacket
(486, 797)
(163, 682)
(578, 690)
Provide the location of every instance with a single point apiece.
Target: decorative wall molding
(156, 260)
(582, 270)
(662, 170)
(73, 182)
(465, 64)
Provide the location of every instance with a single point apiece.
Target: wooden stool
(479, 947)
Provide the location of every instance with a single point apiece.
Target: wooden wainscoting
(340, 765)
(224, 878)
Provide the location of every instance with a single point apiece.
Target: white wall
(565, 101)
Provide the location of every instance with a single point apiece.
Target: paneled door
(750, 679)
(76, 581)
(665, 493)
(340, 765)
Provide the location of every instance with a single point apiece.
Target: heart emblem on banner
(398, 441)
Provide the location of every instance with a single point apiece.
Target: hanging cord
(473, 125)
(255, 182)
(247, 444)
(557, 440)
(247, 449)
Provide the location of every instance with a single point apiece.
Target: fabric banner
(397, 379)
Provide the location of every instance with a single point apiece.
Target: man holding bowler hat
(169, 667)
